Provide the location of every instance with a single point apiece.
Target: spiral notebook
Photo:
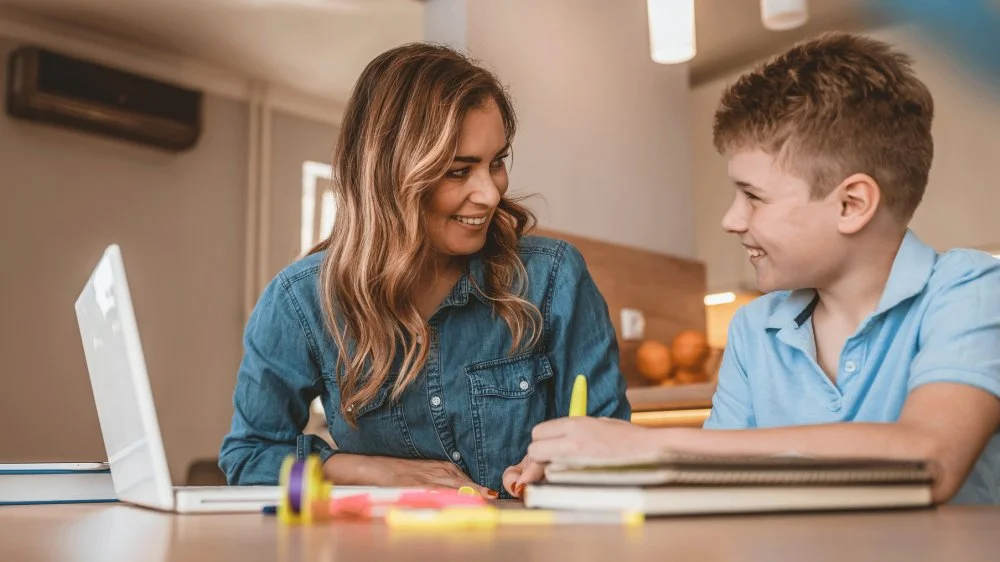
(677, 484)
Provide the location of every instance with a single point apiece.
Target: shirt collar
(911, 269)
(471, 282)
(797, 307)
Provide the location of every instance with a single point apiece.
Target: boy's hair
(833, 106)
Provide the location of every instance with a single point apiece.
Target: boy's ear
(859, 197)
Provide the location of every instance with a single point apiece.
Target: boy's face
(791, 239)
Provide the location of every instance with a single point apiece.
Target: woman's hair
(398, 138)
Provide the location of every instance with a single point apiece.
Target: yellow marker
(550, 517)
(468, 491)
(448, 518)
(489, 517)
(578, 401)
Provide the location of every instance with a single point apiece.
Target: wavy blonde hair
(398, 138)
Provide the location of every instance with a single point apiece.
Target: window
(318, 212)
(318, 209)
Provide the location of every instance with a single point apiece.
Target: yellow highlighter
(578, 400)
(490, 517)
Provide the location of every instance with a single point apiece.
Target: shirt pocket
(509, 397)
(379, 431)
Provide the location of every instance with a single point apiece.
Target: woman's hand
(363, 470)
(524, 472)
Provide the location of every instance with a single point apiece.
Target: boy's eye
(751, 196)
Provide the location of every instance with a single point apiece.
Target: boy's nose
(734, 221)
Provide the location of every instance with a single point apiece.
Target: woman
(435, 333)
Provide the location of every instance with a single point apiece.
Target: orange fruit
(652, 358)
(690, 350)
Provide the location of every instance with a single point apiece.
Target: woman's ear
(859, 197)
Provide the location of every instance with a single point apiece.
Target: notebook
(56, 483)
(679, 484)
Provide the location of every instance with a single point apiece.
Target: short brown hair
(833, 106)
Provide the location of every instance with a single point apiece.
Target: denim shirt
(473, 403)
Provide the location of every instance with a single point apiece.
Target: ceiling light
(671, 30)
(780, 15)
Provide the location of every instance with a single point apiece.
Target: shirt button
(456, 456)
(524, 385)
(835, 405)
(850, 366)
(350, 407)
(436, 401)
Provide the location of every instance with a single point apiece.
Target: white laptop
(125, 405)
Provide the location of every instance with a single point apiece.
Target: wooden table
(110, 533)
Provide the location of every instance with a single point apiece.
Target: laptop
(125, 407)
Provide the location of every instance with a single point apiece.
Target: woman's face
(462, 203)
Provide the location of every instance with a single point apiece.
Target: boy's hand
(524, 472)
(587, 437)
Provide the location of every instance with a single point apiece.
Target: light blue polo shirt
(938, 321)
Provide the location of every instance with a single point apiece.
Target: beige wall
(294, 140)
(962, 199)
(178, 218)
(603, 137)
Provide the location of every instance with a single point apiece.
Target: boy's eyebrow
(745, 185)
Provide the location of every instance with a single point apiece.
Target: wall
(603, 135)
(63, 197)
(179, 218)
(959, 207)
(294, 140)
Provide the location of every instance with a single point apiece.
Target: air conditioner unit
(52, 88)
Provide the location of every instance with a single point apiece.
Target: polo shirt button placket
(836, 404)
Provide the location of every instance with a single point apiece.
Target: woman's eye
(459, 173)
(499, 162)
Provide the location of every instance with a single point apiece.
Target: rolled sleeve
(277, 380)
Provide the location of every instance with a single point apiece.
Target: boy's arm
(946, 422)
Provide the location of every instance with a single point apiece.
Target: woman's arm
(278, 378)
(365, 470)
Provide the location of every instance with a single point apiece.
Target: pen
(578, 400)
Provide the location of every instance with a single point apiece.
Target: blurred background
(197, 134)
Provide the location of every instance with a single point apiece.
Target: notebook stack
(71, 482)
(678, 484)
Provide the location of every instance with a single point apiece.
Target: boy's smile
(756, 254)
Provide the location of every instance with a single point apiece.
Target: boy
(829, 146)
